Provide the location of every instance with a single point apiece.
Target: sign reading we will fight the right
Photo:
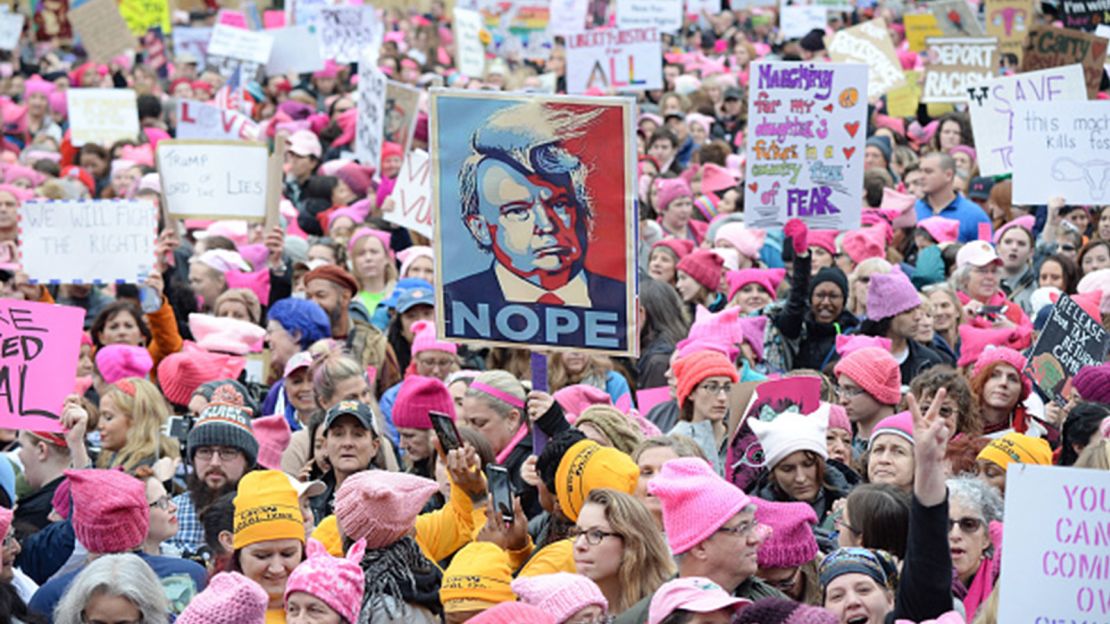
(1056, 535)
(806, 129)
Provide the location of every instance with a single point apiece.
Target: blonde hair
(1096, 456)
(622, 433)
(645, 562)
(867, 268)
(147, 413)
(502, 382)
(390, 266)
(597, 367)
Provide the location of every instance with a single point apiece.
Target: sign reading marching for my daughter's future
(806, 125)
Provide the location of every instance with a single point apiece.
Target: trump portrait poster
(534, 220)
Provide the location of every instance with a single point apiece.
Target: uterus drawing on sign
(1096, 173)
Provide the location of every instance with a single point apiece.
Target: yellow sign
(142, 15)
(919, 26)
(903, 101)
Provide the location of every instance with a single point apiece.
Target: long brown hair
(645, 563)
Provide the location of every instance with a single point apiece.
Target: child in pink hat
(563, 595)
(330, 584)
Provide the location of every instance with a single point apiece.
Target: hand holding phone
(501, 491)
(446, 431)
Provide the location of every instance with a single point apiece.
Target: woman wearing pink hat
(1000, 388)
(665, 256)
(122, 323)
(753, 289)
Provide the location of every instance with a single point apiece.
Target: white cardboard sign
(296, 50)
(1054, 546)
(991, 105)
(11, 26)
(240, 44)
(199, 120)
(666, 15)
(412, 197)
(371, 114)
(614, 60)
(1060, 150)
(102, 116)
(471, 55)
(798, 19)
(192, 40)
(567, 16)
(345, 30)
(88, 241)
(214, 179)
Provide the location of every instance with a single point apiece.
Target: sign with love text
(38, 362)
(869, 43)
(88, 241)
(806, 129)
(1055, 544)
(614, 60)
(992, 113)
(214, 179)
(1061, 151)
(198, 120)
(412, 197)
(956, 63)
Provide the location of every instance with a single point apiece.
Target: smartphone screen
(446, 431)
(501, 489)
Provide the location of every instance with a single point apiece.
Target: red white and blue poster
(535, 220)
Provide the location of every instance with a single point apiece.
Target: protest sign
(869, 43)
(402, 104)
(564, 287)
(1048, 46)
(102, 30)
(665, 15)
(199, 120)
(371, 115)
(798, 19)
(470, 55)
(992, 115)
(240, 44)
(296, 50)
(192, 40)
(88, 241)
(142, 15)
(765, 402)
(1061, 151)
(11, 27)
(954, 18)
(1085, 14)
(518, 28)
(51, 21)
(345, 30)
(1070, 340)
(38, 363)
(903, 101)
(567, 16)
(919, 27)
(956, 64)
(1056, 545)
(412, 197)
(806, 128)
(102, 116)
(614, 60)
(1009, 22)
(214, 179)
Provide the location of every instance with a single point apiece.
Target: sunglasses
(967, 525)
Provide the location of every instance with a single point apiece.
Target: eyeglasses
(740, 530)
(596, 619)
(163, 503)
(593, 536)
(967, 525)
(435, 363)
(1067, 247)
(830, 296)
(715, 388)
(10, 541)
(844, 525)
(848, 393)
(226, 453)
(787, 584)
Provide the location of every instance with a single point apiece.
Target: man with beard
(334, 290)
(221, 449)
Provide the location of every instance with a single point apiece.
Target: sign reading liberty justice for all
(534, 220)
(614, 60)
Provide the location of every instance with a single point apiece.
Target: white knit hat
(791, 432)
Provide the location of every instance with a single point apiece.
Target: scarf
(983, 583)
(402, 573)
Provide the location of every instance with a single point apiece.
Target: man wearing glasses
(221, 449)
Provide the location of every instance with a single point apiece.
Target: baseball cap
(977, 253)
(980, 188)
(414, 297)
(733, 93)
(300, 360)
(692, 593)
(311, 489)
(361, 411)
(305, 143)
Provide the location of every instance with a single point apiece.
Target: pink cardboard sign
(273, 19)
(39, 347)
(231, 17)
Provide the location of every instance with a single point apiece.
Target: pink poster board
(39, 347)
(650, 397)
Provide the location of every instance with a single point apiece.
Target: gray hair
(977, 494)
(126, 576)
(958, 280)
(504, 383)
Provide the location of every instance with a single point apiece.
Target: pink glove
(798, 233)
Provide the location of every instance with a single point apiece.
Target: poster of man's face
(401, 103)
(524, 188)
